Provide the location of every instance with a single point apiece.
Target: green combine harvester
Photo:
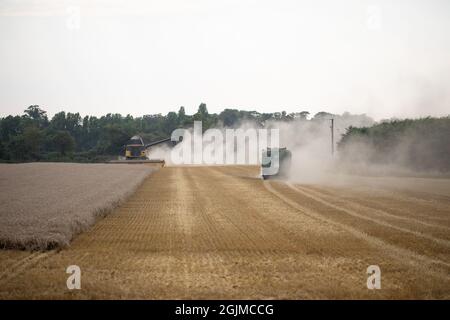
(275, 162)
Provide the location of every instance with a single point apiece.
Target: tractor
(273, 157)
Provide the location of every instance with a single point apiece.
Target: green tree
(181, 116)
(203, 110)
(229, 117)
(33, 138)
(202, 113)
(18, 149)
(37, 115)
(63, 142)
(58, 121)
(10, 127)
(73, 123)
(3, 154)
(113, 138)
(171, 122)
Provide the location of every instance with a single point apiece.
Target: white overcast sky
(384, 58)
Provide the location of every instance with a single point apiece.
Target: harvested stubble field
(220, 232)
(43, 205)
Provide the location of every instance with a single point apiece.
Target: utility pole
(332, 136)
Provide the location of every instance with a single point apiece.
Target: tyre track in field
(233, 230)
(307, 233)
(395, 201)
(364, 207)
(267, 235)
(421, 245)
(406, 255)
(218, 235)
(18, 267)
(264, 237)
(326, 201)
(209, 234)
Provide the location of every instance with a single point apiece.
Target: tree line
(70, 137)
(414, 144)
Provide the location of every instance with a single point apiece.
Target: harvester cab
(135, 149)
(273, 158)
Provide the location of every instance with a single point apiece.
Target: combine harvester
(136, 152)
(282, 156)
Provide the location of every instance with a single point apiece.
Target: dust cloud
(308, 140)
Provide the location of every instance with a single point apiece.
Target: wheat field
(223, 233)
(43, 205)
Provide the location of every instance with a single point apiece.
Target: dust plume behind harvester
(135, 152)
